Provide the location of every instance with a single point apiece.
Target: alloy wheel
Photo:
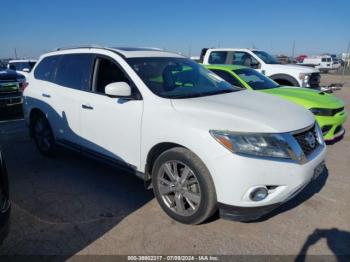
(179, 188)
(43, 134)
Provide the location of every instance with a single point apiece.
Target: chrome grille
(304, 142)
(314, 80)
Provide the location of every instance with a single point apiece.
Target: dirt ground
(71, 205)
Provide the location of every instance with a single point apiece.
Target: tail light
(23, 86)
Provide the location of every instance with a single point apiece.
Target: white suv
(202, 143)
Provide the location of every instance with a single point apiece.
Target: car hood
(243, 111)
(8, 74)
(307, 97)
(301, 69)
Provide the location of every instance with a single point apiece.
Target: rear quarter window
(74, 71)
(46, 68)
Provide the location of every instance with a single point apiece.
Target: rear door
(111, 127)
(72, 79)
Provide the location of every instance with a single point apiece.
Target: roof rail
(76, 47)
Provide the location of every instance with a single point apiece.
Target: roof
(22, 60)
(227, 67)
(127, 52)
(232, 49)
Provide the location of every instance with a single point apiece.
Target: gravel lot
(72, 205)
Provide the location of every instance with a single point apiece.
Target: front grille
(9, 87)
(314, 80)
(10, 80)
(304, 142)
(8, 101)
(336, 111)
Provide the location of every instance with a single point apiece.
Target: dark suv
(11, 87)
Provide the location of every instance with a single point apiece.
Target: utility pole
(16, 54)
(347, 58)
(293, 49)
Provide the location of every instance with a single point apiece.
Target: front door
(111, 126)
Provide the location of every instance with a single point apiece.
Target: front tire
(43, 135)
(183, 186)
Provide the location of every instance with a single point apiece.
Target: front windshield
(172, 77)
(19, 66)
(267, 58)
(256, 80)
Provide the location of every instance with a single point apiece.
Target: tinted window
(108, 72)
(217, 57)
(46, 69)
(324, 60)
(172, 77)
(74, 71)
(266, 57)
(22, 65)
(227, 77)
(243, 58)
(255, 80)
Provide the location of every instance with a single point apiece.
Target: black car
(5, 206)
(11, 87)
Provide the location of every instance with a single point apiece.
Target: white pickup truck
(324, 63)
(287, 75)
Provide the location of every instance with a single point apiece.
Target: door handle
(87, 107)
(46, 95)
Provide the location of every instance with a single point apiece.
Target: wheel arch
(152, 155)
(33, 114)
(285, 78)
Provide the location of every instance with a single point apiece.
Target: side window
(46, 69)
(244, 59)
(324, 60)
(13, 66)
(228, 77)
(217, 57)
(74, 71)
(107, 72)
(19, 66)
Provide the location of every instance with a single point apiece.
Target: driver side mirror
(26, 70)
(118, 89)
(255, 65)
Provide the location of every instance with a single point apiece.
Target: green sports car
(328, 109)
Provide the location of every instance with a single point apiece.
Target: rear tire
(183, 186)
(43, 135)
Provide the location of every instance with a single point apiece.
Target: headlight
(304, 77)
(262, 145)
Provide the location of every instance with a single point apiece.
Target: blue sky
(34, 27)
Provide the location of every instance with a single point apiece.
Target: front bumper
(245, 213)
(235, 176)
(9, 101)
(333, 125)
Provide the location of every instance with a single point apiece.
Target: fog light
(259, 194)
